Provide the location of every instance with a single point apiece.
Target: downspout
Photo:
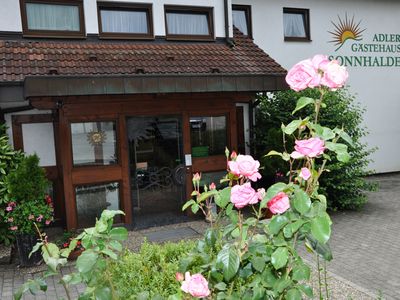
(228, 40)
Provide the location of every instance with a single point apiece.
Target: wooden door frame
(53, 173)
(118, 107)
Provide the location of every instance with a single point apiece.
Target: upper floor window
(56, 18)
(241, 18)
(189, 22)
(125, 20)
(296, 24)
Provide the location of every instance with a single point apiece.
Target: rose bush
(254, 258)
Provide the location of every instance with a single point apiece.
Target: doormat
(165, 235)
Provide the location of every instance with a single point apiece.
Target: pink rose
(13, 228)
(48, 222)
(279, 204)
(334, 76)
(179, 276)
(212, 186)
(305, 173)
(31, 217)
(233, 155)
(40, 218)
(195, 285)
(242, 195)
(9, 208)
(303, 75)
(245, 165)
(311, 148)
(320, 61)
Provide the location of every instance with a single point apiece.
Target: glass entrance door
(156, 168)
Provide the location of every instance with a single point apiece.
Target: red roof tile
(82, 58)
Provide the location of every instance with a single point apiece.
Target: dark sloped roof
(21, 58)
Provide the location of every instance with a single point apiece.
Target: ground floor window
(91, 200)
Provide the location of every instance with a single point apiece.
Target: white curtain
(239, 21)
(124, 21)
(294, 25)
(52, 17)
(191, 24)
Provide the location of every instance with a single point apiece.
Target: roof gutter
(39, 86)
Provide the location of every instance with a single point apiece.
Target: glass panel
(209, 177)
(294, 25)
(240, 20)
(52, 17)
(39, 138)
(187, 23)
(208, 135)
(124, 21)
(157, 169)
(91, 200)
(94, 143)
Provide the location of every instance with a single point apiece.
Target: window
(241, 18)
(91, 200)
(56, 18)
(296, 23)
(193, 23)
(208, 135)
(120, 20)
(94, 143)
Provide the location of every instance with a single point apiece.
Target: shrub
(150, 272)
(345, 185)
(9, 160)
(27, 202)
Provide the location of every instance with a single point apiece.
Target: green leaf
(307, 290)
(195, 208)
(343, 157)
(258, 263)
(35, 248)
(301, 272)
(324, 132)
(119, 233)
(347, 138)
(302, 202)
(321, 228)
(274, 189)
(110, 214)
(323, 250)
(103, 293)
(228, 260)
(221, 286)
(293, 294)
(115, 245)
(86, 261)
(292, 126)
(224, 197)
(277, 223)
(109, 253)
(281, 284)
(273, 152)
(280, 257)
(188, 204)
(303, 102)
(143, 295)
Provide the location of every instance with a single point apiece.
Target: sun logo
(346, 30)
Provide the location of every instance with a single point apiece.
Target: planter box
(5, 254)
(25, 244)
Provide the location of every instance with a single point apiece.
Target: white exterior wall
(11, 21)
(376, 88)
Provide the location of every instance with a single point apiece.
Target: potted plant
(28, 208)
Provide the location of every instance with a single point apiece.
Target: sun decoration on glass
(346, 29)
(96, 138)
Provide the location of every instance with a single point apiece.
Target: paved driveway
(366, 244)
